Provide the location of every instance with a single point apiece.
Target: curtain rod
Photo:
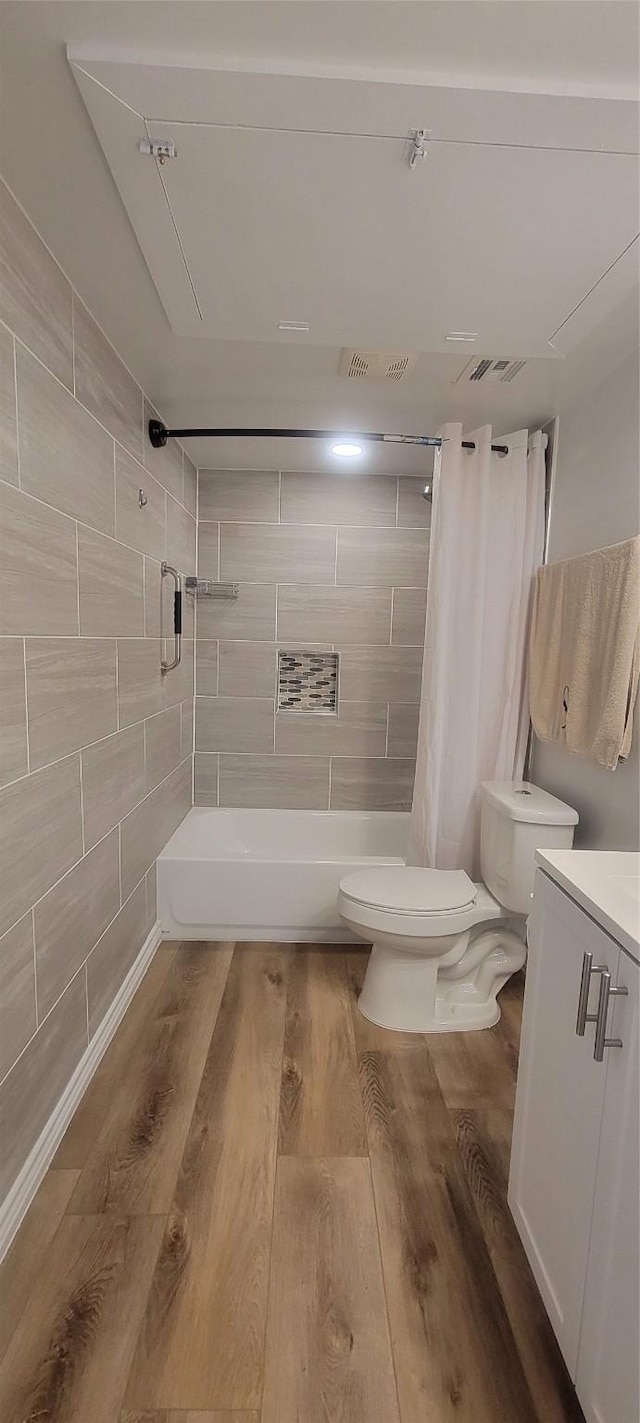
(159, 434)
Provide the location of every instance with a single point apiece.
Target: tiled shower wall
(95, 747)
(330, 562)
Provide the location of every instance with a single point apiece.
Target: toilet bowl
(442, 946)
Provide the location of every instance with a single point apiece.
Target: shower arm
(159, 434)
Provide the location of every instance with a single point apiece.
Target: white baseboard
(262, 934)
(15, 1206)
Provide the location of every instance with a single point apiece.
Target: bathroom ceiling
(291, 199)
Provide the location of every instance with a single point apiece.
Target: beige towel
(585, 652)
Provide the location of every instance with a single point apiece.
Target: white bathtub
(269, 874)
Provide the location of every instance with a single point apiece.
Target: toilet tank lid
(520, 800)
(408, 889)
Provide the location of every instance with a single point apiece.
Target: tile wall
(95, 746)
(324, 562)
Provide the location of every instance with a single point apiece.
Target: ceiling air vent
(489, 370)
(374, 365)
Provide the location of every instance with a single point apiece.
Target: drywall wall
(95, 745)
(596, 502)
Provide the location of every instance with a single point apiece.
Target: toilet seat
(364, 899)
(408, 889)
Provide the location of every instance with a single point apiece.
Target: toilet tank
(516, 819)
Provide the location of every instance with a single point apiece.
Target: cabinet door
(607, 1381)
(558, 1113)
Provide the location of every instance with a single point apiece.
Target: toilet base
(412, 993)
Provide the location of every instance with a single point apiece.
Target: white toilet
(443, 947)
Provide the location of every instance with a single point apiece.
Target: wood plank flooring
(266, 1210)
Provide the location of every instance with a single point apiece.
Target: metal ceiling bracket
(419, 147)
(160, 148)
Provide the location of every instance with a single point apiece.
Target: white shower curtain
(487, 539)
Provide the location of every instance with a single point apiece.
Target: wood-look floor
(266, 1210)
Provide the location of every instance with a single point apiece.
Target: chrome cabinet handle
(583, 1001)
(606, 992)
(166, 568)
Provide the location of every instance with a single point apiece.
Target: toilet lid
(410, 890)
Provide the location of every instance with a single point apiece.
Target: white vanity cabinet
(574, 1186)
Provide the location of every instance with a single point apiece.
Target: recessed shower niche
(308, 681)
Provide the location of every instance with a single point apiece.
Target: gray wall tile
(208, 562)
(271, 553)
(111, 587)
(181, 537)
(247, 669)
(140, 689)
(207, 667)
(71, 694)
(144, 833)
(114, 954)
(359, 729)
(8, 426)
(104, 384)
(381, 674)
(155, 588)
(206, 778)
(186, 728)
(164, 464)
(234, 724)
(13, 713)
(345, 498)
(394, 557)
(409, 610)
(162, 745)
(227, 496)
(178, 685)
(189, 485)
(38, 568)
(17, 991)
(330, 614)
(177, 797)
(371, 784)
(146, 528)
(151, 897)
(382, 550)
(280, 782)
(142, 837)
(40, 835)
(35, 297)
(414, 511)
(32, 1089)
(71, 918)
(403, 730)
(84, 458)
(113, 781)
(252, 615)
(66, 458)
(188, 616)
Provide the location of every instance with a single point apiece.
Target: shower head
(427, 492)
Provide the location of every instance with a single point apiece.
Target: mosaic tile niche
(308, 682)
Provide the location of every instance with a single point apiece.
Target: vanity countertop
(604, 882)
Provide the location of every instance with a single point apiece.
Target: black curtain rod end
(158, 434)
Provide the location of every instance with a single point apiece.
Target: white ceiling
(534, 53)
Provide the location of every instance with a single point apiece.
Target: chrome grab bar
(166, 568)
(606, 992)
(584, 1016)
